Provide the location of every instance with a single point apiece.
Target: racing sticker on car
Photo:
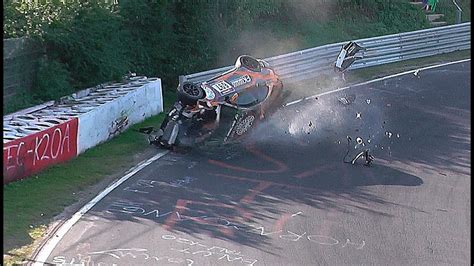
(223, 87)
(241, 81)
(209, 93)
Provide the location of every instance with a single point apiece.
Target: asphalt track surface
(285, 197)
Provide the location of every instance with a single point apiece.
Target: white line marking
(54, 240)
(375, 80)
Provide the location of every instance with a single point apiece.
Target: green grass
(32, 203)
(447, 8)
(326, 82)
(35, 200)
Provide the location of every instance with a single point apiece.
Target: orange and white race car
(251, 89)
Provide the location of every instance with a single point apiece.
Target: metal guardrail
(310, 63)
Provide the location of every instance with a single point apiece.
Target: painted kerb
(310, 63)
(36, 138)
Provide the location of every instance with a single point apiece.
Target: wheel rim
(244, 125)
(191, 90)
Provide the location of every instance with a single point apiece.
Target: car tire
(250, 63)
(190, 93)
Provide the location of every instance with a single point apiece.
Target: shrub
(23, 19)
(195, 42)
(22, 99)
(90, 41)
(53, 81)
(450, 11)
(152, 41)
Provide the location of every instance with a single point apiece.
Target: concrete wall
(39, 149)
(108, 120)
(20, 64)
(36, 138)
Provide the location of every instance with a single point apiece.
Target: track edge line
(57, 235)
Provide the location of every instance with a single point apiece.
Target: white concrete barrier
(108, 120)
(36, 138)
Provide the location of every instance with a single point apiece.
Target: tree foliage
(98, 41)
(91, 41)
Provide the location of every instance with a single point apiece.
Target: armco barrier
(38, 137)
(309, 63)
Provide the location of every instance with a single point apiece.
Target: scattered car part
(369, 158)
(347, 56)
(348, 99)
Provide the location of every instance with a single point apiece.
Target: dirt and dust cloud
(259, 43)
(322, 119)
(265, 41)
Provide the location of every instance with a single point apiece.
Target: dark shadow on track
(238, 190)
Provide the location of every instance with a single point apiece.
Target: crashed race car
(244, 94)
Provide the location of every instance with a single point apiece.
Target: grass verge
(326, 82)
(363, 74)
(31, 204)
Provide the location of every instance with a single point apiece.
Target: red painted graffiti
(30, 154)
(278, 166)
(249, 198)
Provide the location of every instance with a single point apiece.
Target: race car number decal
(223, 87)
(241, 81)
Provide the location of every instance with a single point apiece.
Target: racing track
(286, 198)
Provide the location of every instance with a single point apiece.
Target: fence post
(458, 12)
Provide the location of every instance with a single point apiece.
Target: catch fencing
(310, 63)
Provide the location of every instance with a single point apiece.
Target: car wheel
(189, 93)
(244, 124)
(250, 63)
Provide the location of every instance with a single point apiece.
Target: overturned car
(244, 94)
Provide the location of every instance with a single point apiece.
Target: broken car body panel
(347, 56)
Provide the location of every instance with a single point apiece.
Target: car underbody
(245, 94)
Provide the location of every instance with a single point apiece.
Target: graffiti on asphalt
(203, 250)
(139, 254)
(174, 216)
(142, 185)
(279, 166)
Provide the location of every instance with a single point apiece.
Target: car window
(261, 93)
(251, 96)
